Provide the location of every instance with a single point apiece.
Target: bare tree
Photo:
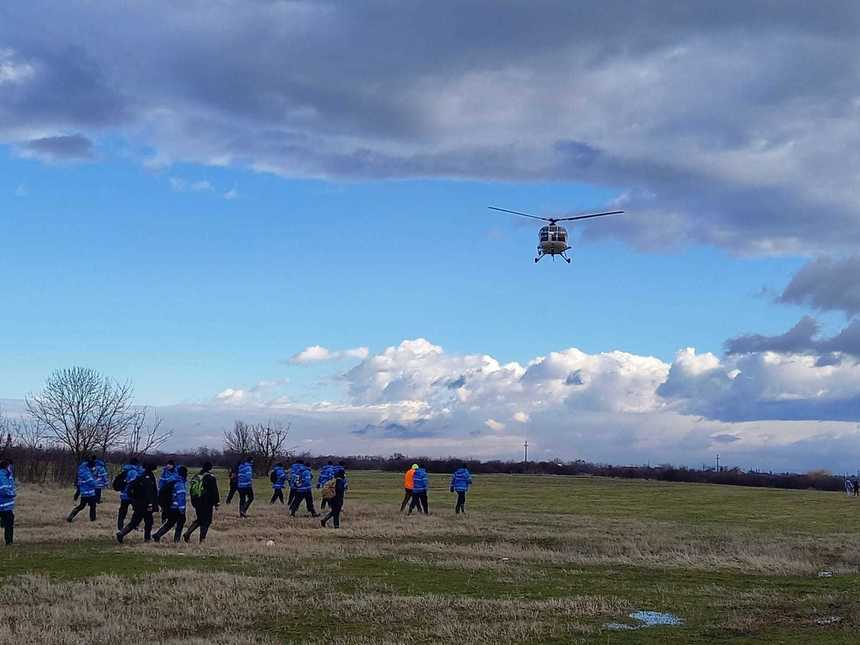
(269, 441)
(83, 411)
(27, 433)
(239, 440)
(145, 433)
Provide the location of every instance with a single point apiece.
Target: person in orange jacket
(407, 486)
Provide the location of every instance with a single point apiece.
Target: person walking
(304, 491)
(856, 487)
(101, 473)
(205, 499)
(86, 488)
(232, 478)
(420, 484)
(130, 471)
(245, 485)
(176, 512)
(144, 502)
(169, 474)
(336, 501)
(7, 501)
(408, 478)
(278, 479)
(325, 476)
(461, 480)
(294, 479)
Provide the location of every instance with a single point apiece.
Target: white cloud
(195, 186)
(494, 425)
(318, 354)
(231, 194)
(521, 417)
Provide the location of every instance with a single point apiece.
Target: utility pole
(526, 452)
(718, 462)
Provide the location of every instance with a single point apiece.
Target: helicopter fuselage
(553, 240)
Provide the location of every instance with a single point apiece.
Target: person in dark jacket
(130, 471)
(461, 480)
(304, 492)
(420, 484)
(336, 502)
(7, 500)
(176, 511)
(205, 499)
(87, 488)
(245, 485)
(278, 478)
(232, 478)
(144, 502)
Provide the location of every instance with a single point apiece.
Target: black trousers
(7, 521)
(232, 492)
(246, 498)
(85, 501)
(291, 498)
(98, 495)
(203, 521)
(306, 496)
(406, 498)
(277, 494)
(122, 513)
(323, 503)
(419, 501)
(333, 515)
(461, 502)
(175, 518)
(136, 518)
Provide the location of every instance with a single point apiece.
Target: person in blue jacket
(169, 474)
(245, 485)
(304, 491)
(130, 471)
(420, 483)
(87, 488)
(278, 479)
(295, 476)
(460, 482)
(176, 512)
(101, 472)
(325, 476)
(7, 500)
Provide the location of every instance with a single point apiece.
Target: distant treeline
(56, 465)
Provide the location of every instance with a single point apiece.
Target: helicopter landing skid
(563, 257)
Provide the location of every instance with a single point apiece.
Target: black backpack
(119, 481)
(165, 495)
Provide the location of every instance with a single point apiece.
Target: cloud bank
(733, 127)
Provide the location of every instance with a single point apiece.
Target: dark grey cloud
(64, 147)
(725, 125)
(826, 284)
(802, 339)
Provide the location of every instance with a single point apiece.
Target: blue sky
(186, 292)
(246, 238)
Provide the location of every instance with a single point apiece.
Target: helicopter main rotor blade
(505, 210)
(571, 219)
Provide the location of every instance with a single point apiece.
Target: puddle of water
(646, 619)
(652, 618)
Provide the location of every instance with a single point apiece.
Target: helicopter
(553, 238)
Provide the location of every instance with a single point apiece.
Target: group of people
(172, 491)
(852, 487)
(416, 482)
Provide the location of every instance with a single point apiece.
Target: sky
(268, 209)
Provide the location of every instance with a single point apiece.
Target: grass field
(537, 559)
